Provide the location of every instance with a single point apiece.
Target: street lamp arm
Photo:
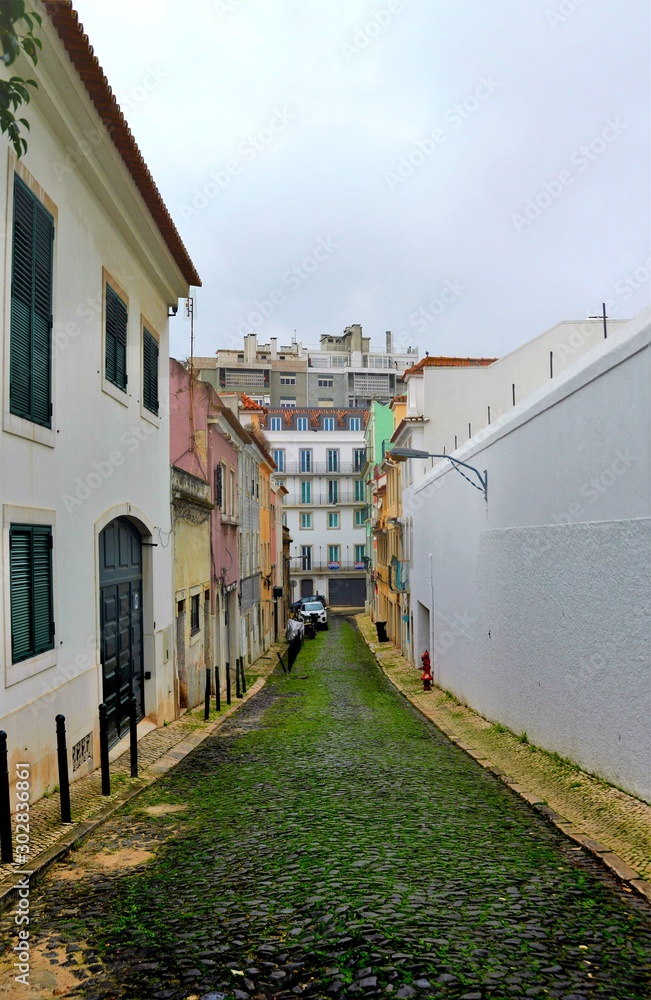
(404, 453)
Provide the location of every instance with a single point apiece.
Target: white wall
(457, 399)
(541, 595)
(103, 458)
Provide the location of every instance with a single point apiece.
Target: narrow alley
(325, 842)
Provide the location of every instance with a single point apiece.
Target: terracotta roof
(248, 403)
(441, 362)
(66, 21)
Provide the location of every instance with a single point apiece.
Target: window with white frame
(334, 519)
(305, 459)
(279, 459)
(301, 424)
(354, 423)
(306, 491)
(306, 557)
(325, 383)
(333, 491)
(306, 521)
(328, 423)
(360, 552)
(275, 423)
(359, 517)
(332, 458)
(359, 489)
(287, 403)
(359, 458)
(289, 378)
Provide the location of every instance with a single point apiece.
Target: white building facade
(535, 603)
(92, 264)
(319, 454)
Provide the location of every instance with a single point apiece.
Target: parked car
(308, 600)
(313, 611)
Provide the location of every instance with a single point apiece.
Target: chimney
(250, 347)
(274, 348)
(389, 342)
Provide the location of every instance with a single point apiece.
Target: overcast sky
(463, 173)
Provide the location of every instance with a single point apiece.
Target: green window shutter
(30, 568)
(31, 309)
(115, 359)
(150, 371)
(42, 588)
(20, 587)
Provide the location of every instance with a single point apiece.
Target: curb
(78, 832)
(615, 865)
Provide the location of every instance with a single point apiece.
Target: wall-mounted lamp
(172, 311)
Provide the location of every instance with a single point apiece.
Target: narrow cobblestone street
(328, 842)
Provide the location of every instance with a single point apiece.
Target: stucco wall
(541, 595)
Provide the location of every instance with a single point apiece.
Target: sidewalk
(158, 751)
(613, 826)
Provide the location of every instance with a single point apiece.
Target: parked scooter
(310, 630)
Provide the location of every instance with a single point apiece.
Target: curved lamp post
(402, 454)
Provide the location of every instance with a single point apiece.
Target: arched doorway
(120, 588)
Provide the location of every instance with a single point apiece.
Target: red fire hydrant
(426, 675)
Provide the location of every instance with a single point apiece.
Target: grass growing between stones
(335, 844)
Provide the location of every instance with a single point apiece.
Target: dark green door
(120, 581)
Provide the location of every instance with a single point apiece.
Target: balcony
(297, 565)
(323, 469)
(322, 500)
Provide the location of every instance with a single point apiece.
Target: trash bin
(382, 632)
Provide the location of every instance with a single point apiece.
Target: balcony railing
(323, 469)
(321, 500)
(298, 565)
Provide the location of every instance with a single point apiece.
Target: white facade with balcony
(320, 457)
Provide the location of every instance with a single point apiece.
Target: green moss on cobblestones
(331, 838)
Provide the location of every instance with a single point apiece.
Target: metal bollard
(228, 683)
(62, 760)
(206, 704)
(243, 677)
(218, 694)
(6, 845)
(238, 687)
(133, 735)
(104, 749)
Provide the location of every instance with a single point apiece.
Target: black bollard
(243, 677)
(218, 694)
(6, 844)
(228, 683)
(238, 687)
(62, 759)
(133, 735)
(104, 749)
(206, 703)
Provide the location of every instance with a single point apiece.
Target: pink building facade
(204, 532)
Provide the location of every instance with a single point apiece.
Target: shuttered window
(30, 366)
(150, 371)
(115, 360)
(30, 575)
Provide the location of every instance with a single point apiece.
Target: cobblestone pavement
(328, 842)
(601, 811)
